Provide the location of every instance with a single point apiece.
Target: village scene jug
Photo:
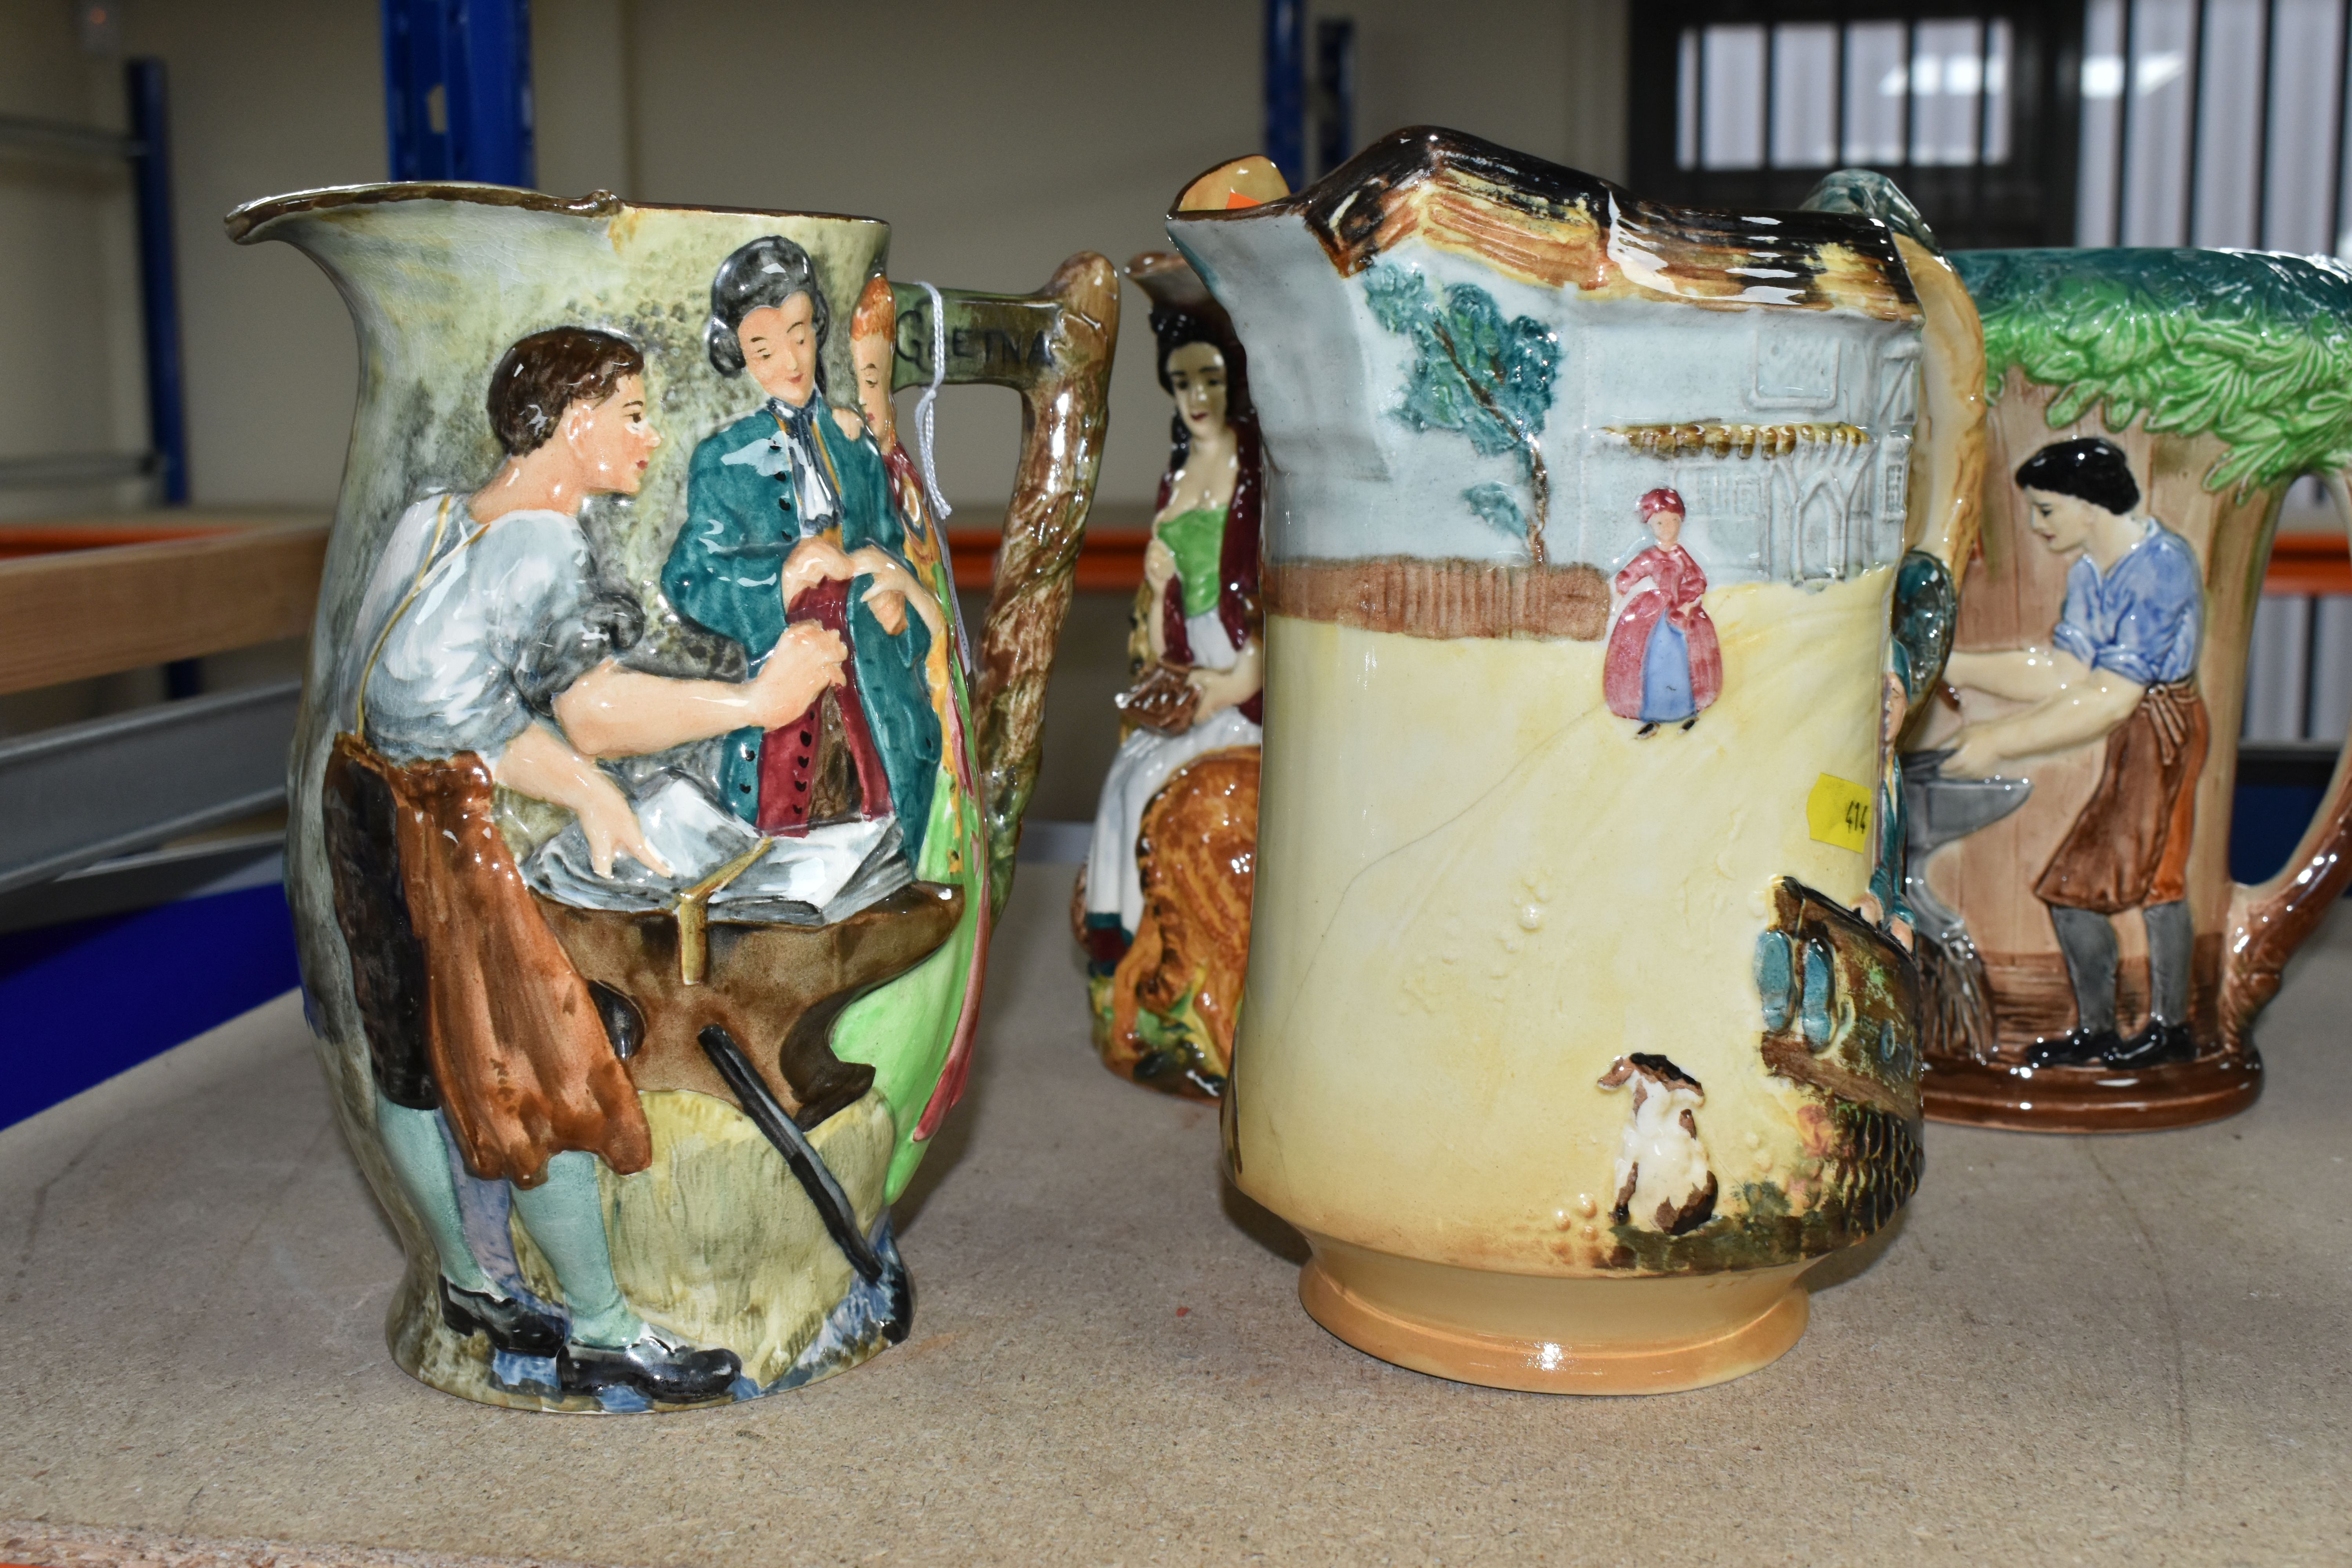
(1600, 574)
(650, 807)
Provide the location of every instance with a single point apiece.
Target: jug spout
(279, 217)
(366, 237)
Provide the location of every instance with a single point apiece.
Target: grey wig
(764, 273)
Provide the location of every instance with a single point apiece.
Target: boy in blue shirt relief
(2121, 663)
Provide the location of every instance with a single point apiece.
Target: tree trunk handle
(1054, 348)
(2268, 921)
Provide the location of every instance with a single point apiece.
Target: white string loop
(924, 415)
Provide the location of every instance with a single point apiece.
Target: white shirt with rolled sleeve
(502, 620)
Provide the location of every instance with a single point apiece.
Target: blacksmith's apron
(469, 1002)
(2129, 848)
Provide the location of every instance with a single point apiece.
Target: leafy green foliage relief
(2256, 349)
(1493, 503)
(1475, 374)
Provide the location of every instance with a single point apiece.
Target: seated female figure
(1163, 912)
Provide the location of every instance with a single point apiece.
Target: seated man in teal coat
(789, 519)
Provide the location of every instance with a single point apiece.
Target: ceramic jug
(2089, 964)
(1581, 1021)
(1161, 905)
(649, 808)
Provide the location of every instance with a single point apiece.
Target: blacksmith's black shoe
(510, 1325)
(2157, 1046)
(2075, 1048)
(653, 1365)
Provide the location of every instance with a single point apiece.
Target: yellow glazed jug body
(1575, 1029)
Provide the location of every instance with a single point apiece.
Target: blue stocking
(412, 1143)
(565, 1216)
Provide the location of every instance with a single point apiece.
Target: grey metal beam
(72, 796)
(74, 469)
(58, 138)
(149, 878)
(2310, 763)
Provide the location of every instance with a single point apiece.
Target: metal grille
(1816, 95)
(2214, 122)
(1970, 108)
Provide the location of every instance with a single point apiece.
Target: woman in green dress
(1200, 628)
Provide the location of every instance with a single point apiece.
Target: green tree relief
(2256, 349)
(1478, 375)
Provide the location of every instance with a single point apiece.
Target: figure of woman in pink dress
(1664, 664)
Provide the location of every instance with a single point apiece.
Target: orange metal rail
(2309, 563)
(78, 601)
(89, 598)
(20, 540)
(1109, 562)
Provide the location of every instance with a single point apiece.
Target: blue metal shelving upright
(144, 85)
(1285, 88)
(457, 99)
(1335, 92)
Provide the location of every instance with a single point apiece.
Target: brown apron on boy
(2129, 846)
(469, 1002)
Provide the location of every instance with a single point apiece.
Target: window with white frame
(1821, 95)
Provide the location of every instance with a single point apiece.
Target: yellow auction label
(1838, 812)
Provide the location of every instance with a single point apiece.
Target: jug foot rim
(1724, 1326)
(2012, 1099)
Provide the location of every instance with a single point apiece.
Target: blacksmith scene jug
(650, 808)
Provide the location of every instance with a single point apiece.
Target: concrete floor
(2122, 1350)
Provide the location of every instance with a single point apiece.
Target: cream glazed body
(1580, 1017)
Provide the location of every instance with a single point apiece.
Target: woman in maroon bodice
(1663, 665)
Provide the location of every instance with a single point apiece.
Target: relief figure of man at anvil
(488, 658)
(2120, 668)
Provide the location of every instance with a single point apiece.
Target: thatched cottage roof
(1547, 225)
